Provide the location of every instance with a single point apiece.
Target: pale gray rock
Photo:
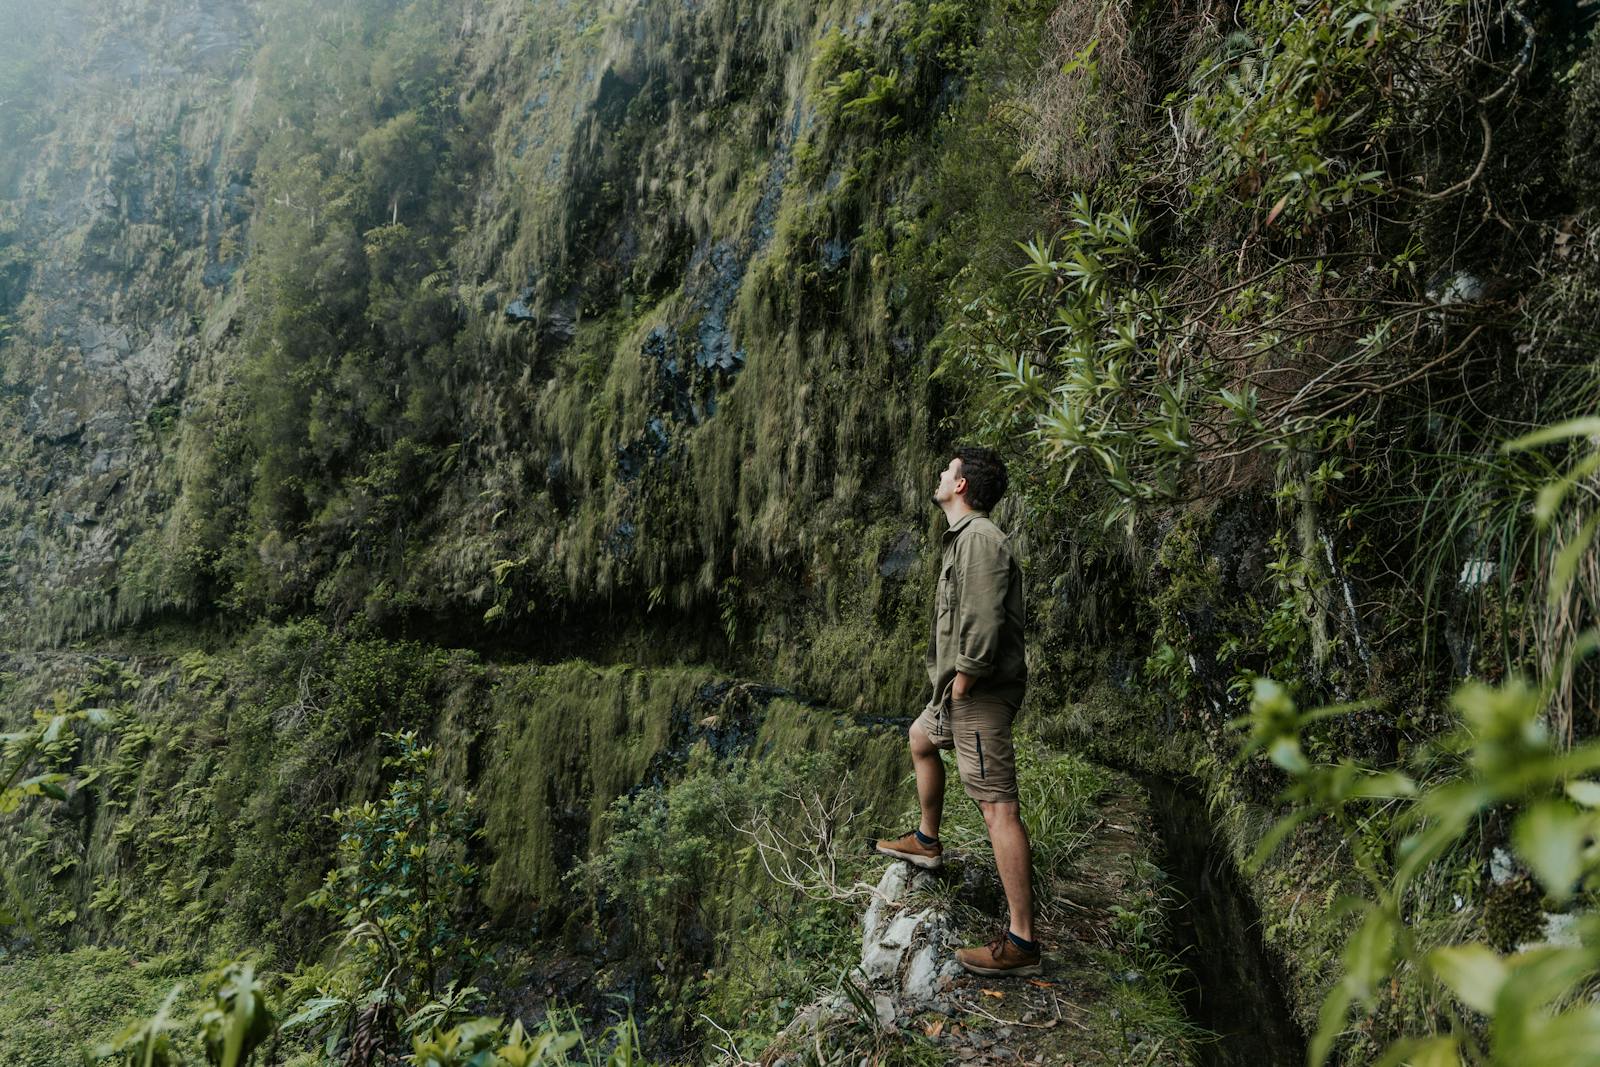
(907, 955)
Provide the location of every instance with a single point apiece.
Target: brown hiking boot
(911, 849)
(1000, 957)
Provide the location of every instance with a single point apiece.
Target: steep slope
(633, 332)
(544, 311)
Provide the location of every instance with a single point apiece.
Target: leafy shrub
(560, 1041)
(402, 882)
(230, 1029)
(748, 946)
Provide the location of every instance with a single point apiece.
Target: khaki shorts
(980, 732)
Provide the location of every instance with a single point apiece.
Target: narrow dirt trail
(1110, 994)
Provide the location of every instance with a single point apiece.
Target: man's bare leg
(929, 766)
(1013, 857)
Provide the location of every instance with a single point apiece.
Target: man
(975, 661)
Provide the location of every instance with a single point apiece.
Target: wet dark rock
(560, 327)
(620, 543)
(557, 323)
(651, 445)
(655, 432)
(725, 716)
(718, 293)
(106, 461)
(63, 426)
(980, 885)
(520, 310)
(1239, 542)
(687, 387)
(899, 557)
(834, 253)
(217, 275)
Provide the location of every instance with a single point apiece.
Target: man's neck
(957, 510)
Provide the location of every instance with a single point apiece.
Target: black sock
(924, 838)
(1026, 946)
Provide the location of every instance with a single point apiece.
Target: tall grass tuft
(1057, 795)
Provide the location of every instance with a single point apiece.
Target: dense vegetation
(1291, 315)
(619, 342)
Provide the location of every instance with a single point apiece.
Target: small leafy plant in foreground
(235, 1024)
(1501, 756)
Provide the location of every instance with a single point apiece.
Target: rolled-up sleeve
(985, 568)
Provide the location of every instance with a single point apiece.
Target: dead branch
(803, 855)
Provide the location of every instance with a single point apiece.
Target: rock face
(133, 208)
(663, 365)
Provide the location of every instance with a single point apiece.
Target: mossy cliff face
(584, 334)
(520, 311)
(630, 335)
(198, 820)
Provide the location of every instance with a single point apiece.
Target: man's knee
(1000, 812)
(920, 744)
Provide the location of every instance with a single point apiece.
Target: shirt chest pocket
(947, 597)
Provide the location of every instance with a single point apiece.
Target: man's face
(951, 483)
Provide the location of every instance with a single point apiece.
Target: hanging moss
(567, 741)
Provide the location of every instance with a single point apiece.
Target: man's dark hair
(985, 473)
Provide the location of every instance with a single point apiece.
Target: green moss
(879, 764)
(568, 740)
(1513, 913)
(53, 1005)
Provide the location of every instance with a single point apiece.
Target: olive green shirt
(978, 618)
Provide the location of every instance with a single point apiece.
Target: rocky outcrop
(907, 962)
(907, 943)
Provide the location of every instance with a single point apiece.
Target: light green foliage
(747, 945)
(1089, 320)
(560, 1041)
(196, 800)
(579, 733)
(53, 1004)
(238, 1021)
(229, 1029)
(1288, 103)
(148, 1043)
(1564, 568)
(1501, 755)
(47, 746)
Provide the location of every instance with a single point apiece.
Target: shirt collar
(961, 523)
